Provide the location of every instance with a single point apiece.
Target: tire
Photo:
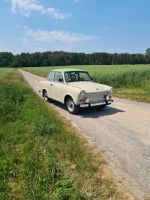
(71, 107)
(45, 96)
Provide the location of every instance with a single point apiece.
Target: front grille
(96, 97)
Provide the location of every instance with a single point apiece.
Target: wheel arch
(66, 97)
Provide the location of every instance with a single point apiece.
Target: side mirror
(60, 80)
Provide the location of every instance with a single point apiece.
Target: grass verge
(41, 155)
(129, 81)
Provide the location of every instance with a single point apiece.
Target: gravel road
(122, 131)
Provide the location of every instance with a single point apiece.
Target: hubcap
(45, 97)
(70, 106)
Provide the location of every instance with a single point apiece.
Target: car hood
(90, 87)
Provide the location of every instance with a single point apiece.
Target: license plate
(97, 104)
(84, 105)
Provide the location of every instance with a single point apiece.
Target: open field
(129, 81)
(41, 155)
(4, 72)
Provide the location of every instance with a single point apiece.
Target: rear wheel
(45, 95)
(71, 107)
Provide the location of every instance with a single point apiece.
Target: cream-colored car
(75, 89)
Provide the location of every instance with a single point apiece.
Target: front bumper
(96, 104)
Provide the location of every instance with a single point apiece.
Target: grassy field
(41, 156)
(129, 81)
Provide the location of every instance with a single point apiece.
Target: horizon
(130, 53)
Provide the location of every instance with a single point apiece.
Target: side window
(58, 77)
(50, 76)
(74, 76)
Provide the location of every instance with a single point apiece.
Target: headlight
(107, 97)
(82, 93)
(87, 100)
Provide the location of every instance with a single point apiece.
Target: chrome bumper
(96, 104)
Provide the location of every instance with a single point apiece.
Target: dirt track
(122, 130)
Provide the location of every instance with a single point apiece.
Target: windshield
(74, 76)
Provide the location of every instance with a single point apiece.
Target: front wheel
(71, 107)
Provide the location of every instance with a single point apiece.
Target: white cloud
(56, 14)
(56, 36)
(26, 7)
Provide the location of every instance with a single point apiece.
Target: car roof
(66, 70)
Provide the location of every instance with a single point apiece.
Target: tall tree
(148, 51)
(6, 59)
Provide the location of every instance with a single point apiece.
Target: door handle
(51, 84)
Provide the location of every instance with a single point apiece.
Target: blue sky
(75, 25)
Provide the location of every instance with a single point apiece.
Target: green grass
(129, 81)
(4, 72)
(41, 156)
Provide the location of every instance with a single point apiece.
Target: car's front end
(91, 99)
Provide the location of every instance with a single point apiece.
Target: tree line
(61, 58)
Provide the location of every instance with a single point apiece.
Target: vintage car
(75, 89)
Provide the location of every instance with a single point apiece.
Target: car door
(50, 84)
(57, 87)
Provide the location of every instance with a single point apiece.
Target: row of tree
(60, 58)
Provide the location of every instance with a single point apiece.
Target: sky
(75, 25)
